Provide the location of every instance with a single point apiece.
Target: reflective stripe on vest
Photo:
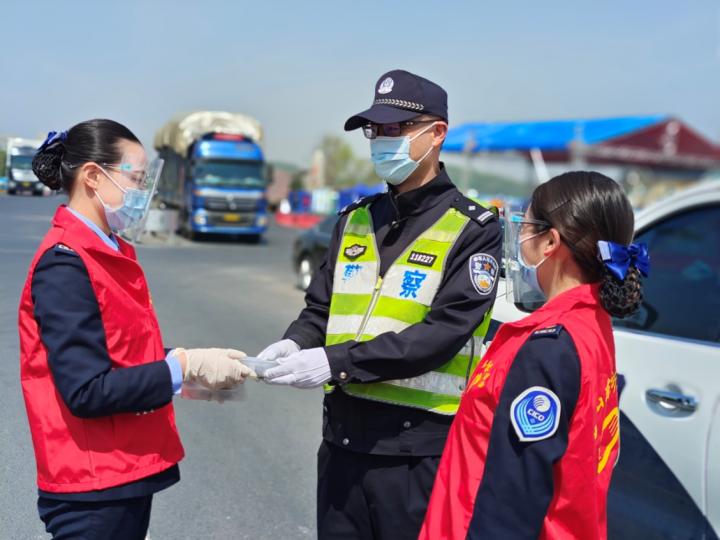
(365, 305)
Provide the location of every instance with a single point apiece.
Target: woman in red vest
(532, 448)
(98, 383)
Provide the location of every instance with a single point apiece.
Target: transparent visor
(143, 179)
(518, 289)
(150, 185)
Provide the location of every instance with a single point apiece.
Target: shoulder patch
(475, 211)
(483, 272)
(365, 201)
(548, 331)
(535, 414)
(62, 248)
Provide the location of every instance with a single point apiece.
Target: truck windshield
(229, 174)
(23, 163)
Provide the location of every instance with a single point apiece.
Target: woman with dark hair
(97, 381)
(532, 448)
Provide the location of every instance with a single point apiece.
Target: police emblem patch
(535, 414)
(423, 259)
(354, 251)
(386, 86)
(483, 272)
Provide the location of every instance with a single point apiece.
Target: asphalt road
(249, 470)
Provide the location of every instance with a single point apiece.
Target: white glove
(216, 368)
(304, 369)
(279, 349)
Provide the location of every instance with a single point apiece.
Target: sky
(302, 68)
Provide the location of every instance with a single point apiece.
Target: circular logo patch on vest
(535, 414)
(483, 272)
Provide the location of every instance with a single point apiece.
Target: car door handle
(672, 400)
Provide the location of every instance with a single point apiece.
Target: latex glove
(279, 349)
(303, 369)
(216, 368)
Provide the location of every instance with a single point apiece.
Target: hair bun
(621, 298)
(47, 165)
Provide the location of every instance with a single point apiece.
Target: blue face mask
(391, 156)
(130, 212)
(528, 272)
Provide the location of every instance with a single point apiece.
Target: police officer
(394, 320)
(533, 446)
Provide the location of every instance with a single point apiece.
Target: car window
(327, 224)
(682, 294)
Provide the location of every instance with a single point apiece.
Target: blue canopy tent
(553, 135)
(655, 141)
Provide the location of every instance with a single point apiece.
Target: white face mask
(130, 212)
(528, 272)
(391, 156)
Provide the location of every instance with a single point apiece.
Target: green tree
(3, 155)
(297, 181)
(342, 167)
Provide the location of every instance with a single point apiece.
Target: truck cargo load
(184, 129)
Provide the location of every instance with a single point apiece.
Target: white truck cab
(20, 177)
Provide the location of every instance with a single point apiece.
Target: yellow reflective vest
(364, 305)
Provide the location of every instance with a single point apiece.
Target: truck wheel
(11, 192)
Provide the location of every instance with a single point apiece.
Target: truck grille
(230, 204)
(230, 220)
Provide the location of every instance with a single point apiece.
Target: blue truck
(215, 174)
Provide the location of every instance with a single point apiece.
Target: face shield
(149, 184)
(139, 188)
(522, 288)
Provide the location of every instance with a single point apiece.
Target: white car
(667, 481)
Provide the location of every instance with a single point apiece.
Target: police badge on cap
(386, 86)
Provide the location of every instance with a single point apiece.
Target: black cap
(400, 96)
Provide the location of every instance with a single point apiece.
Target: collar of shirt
(109, 240)
(419, 200)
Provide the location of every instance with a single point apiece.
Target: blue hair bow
(52, 137)
(619, 258)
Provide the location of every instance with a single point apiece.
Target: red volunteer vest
(75, 454)
(582, 476)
